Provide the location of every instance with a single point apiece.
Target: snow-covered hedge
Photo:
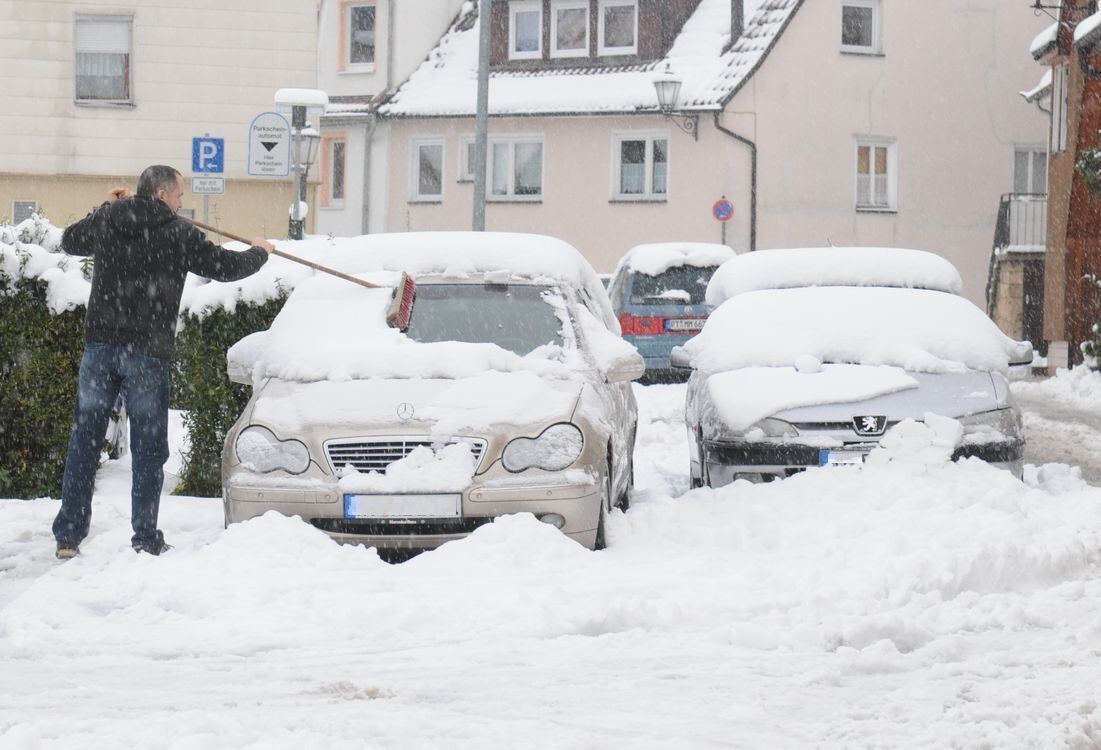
(43, 296)
(41, 340)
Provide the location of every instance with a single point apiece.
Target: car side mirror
(243, 356)
(625, 369)
(1023, 355)
(679, 359)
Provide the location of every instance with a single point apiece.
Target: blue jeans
(105, 371)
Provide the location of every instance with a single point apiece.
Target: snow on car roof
(502, 254)
(916, 329)
(832, 266)
(330, 329)
(655, 258)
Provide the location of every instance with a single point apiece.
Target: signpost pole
(298, 121)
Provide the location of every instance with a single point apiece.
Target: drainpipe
(390, 33)
(372, 123)
(368, 139)
(752, 182)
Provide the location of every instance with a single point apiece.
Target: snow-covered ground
(885, 607)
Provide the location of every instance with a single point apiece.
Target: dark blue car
(658, 292)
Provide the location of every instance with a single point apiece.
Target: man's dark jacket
(143, 253)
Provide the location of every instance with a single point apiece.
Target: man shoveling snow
(143, 254)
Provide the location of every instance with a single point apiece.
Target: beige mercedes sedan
(509, 392)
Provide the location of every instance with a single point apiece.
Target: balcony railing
(1022, 223)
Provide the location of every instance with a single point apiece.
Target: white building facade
(366, 48)
(98, 90)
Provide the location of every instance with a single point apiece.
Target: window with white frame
(337, 153)
(860, 26)
(103, 45)
(361, 34)
(525, 29)
(641, 167)
(514, 165)
(516, 168)
(569, 28)
(876, 174)
(426, 178)
(617, 27)
(1029, 170)
(1060, 92)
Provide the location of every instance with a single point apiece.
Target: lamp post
(303, 146)
(305, 153)
(667, 87)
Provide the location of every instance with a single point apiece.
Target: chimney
(737, 20)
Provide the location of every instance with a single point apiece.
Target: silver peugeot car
(788, 375)
(509, 392)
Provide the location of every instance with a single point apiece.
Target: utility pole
(481, 119)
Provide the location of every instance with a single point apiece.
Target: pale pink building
(855, 122)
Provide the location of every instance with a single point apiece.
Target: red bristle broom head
(401, 304)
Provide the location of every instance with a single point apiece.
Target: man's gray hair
(157, 177)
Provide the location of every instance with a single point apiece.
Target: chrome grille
(377, 453)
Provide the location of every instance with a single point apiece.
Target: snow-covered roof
(658, 257)
(1040, 90)
(1043, 40)
(1085, 31)
(915, 329)
(446, 83)
(832, 266)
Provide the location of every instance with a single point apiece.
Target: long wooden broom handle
(288, 256)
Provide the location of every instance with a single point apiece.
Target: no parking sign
(723, 209)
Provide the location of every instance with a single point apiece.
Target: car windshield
(516, 317)
(680, 285)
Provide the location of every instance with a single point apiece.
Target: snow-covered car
(812, 355)
(509, 393)
(657, 293)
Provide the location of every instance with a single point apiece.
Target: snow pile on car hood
(748, 395)
(331, 329)
(832, 266)
(915, 329)
(453, 407)
(659, 257)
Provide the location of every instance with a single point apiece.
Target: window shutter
(103, 35)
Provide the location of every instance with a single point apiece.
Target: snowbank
(839, 608)
(914, 329)
(656, 258)
(832, 266)
(1078, 388)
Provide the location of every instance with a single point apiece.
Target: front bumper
(323, 508)
(725, 461)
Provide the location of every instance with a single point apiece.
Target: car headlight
(556, 448)
(998, 426)
(261, 451)
(770, 428)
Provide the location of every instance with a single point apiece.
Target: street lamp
(304, 145)
(667, 87)
(307, 154)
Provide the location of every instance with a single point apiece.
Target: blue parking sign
(208, 155)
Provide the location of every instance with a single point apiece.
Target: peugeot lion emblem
(869, 426)
(405, 411)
